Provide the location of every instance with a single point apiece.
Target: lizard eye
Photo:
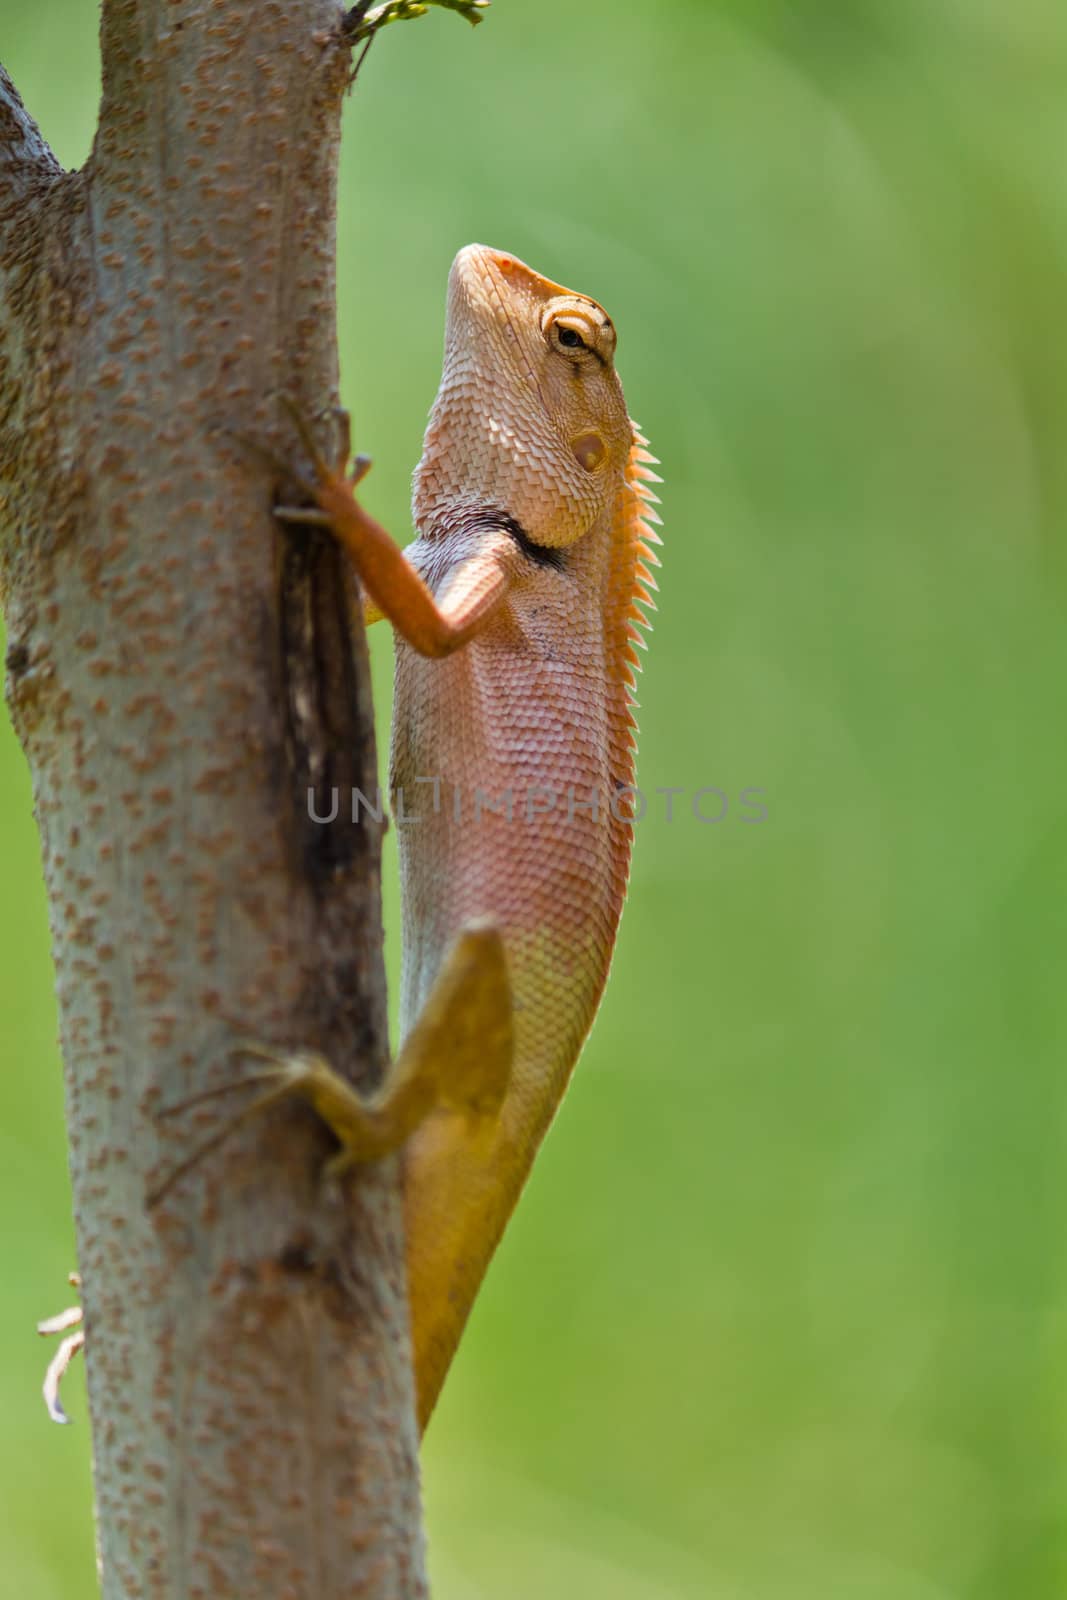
(578, 330)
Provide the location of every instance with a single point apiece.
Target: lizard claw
(352, 476)
(323, 471)
(310, 516)
(307, 482)
(344, 428)
(68, 1349)
(279, 1073)
(307, 439)
(273, 458)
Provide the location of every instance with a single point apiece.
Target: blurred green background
(784, 1312)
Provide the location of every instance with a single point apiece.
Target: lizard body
(530, 456)
(514, 757)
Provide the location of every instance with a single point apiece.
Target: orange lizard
(515, 753)
(531, 564)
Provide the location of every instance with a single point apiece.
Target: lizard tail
(462, 1179)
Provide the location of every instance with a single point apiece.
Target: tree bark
(180, 671)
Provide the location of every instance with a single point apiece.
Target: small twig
(54, 1376)
(63, 1357)
(354, 74)
(362, 25)
(362, 22)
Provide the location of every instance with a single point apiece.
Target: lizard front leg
(434, 625)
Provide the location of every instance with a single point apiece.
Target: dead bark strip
(180, 669)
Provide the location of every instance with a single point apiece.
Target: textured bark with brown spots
(180, 669)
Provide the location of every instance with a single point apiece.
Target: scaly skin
(530, 567)
(537, 705)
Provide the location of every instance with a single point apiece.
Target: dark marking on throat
(542, 555)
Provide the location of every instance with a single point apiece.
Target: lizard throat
(542, 555)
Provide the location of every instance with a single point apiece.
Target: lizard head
(530, 418)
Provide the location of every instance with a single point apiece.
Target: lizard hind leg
(457, 1057)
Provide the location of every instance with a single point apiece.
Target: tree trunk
(180, 671)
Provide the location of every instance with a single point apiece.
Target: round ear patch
(590, 451)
